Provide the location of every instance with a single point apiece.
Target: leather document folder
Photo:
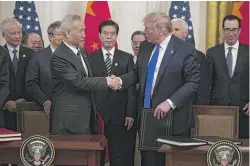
(152, 128)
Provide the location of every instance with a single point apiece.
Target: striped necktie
(108, 63)
(15, 61)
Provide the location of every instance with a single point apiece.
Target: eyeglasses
(234, 30)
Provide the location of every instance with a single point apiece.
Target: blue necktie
(15, 61)
(150, 77)
(230, 61)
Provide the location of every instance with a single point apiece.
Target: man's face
(13, 34)
(108, 36)
(136, 42)
(231, 31)
(178, 30)
(152, 33)
(35, 42)
(76, 34)
(57, 37)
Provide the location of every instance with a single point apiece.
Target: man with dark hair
(116, 108)
(136, 39)
(229, 73)
(18, 59)
(180, 30)
(33, 41)
(38, 81)
(4, 80)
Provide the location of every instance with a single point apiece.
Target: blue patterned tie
(150, 77)
(230, 61)
(15, 61)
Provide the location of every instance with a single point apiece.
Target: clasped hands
(114, 82)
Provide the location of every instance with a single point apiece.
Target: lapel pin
(172, 51)
(116, 64)
(24, 56)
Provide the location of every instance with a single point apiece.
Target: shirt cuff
(120, 80)
(171, 104)
(45, 102)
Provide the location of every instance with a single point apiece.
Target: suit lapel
(115, 62)
(145, 61)
(71, 56)
(10, 62)
(168, 55)
(86, 60)
(101, 63)
(238, 61)
(222, 59)
(22, 59)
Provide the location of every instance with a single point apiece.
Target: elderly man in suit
(38, 81)
(18, 59)
(4, 80)
(115, 107)
(180, 30)
(136, 39)
(168, 76)
(229, 73)
(33, 41)
(73, 107)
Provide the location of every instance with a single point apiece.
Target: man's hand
(129, 121)
(114, 82)
(20, 100)
(46, 107)
(162, 110)
(10, 106)
(246, 109)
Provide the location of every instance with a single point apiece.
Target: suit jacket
(72, 100)
(224, 90)
(114, 105)
(38, 77)
(202, 96)
(4, 79)
(17, 82)
(177, 80)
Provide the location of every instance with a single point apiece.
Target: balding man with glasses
(229, 72)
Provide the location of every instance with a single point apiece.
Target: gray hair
(53, 26)
(183, 22)
(68, 20)
(9, 20)
(160, 20)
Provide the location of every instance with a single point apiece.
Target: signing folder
(152, 128)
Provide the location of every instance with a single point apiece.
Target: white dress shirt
(234, 52)
(52, 49)
(10, 49)
(163, 47)
(112, 52)
(75, 50)
(134, 58)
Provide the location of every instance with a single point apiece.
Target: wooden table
(70, 150)
(196, 156)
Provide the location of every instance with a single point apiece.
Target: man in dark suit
(18, 59)
(168, 75)
(38, 81)
(4, 80)
(136, 39)
(180, 30)
(229, 72)
(73, 107)
(115, 107)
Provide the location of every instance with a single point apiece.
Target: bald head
(180, 28)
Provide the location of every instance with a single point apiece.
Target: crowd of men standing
(164, 73)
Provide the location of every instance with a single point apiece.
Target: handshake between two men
(114, 82)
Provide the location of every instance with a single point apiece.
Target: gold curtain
(216, 11)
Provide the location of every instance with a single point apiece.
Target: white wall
(128, 14)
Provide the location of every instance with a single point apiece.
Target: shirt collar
(112, 51)
(165, 42)
(235, 46)
(52, 49)
(74, 49)
(10, 48)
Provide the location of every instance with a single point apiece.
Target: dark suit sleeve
(210, 74)
(191, 77)
(131, 109)
(32, 80)
(71, 77)
(4, 78)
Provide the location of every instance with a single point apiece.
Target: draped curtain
(216, 11)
